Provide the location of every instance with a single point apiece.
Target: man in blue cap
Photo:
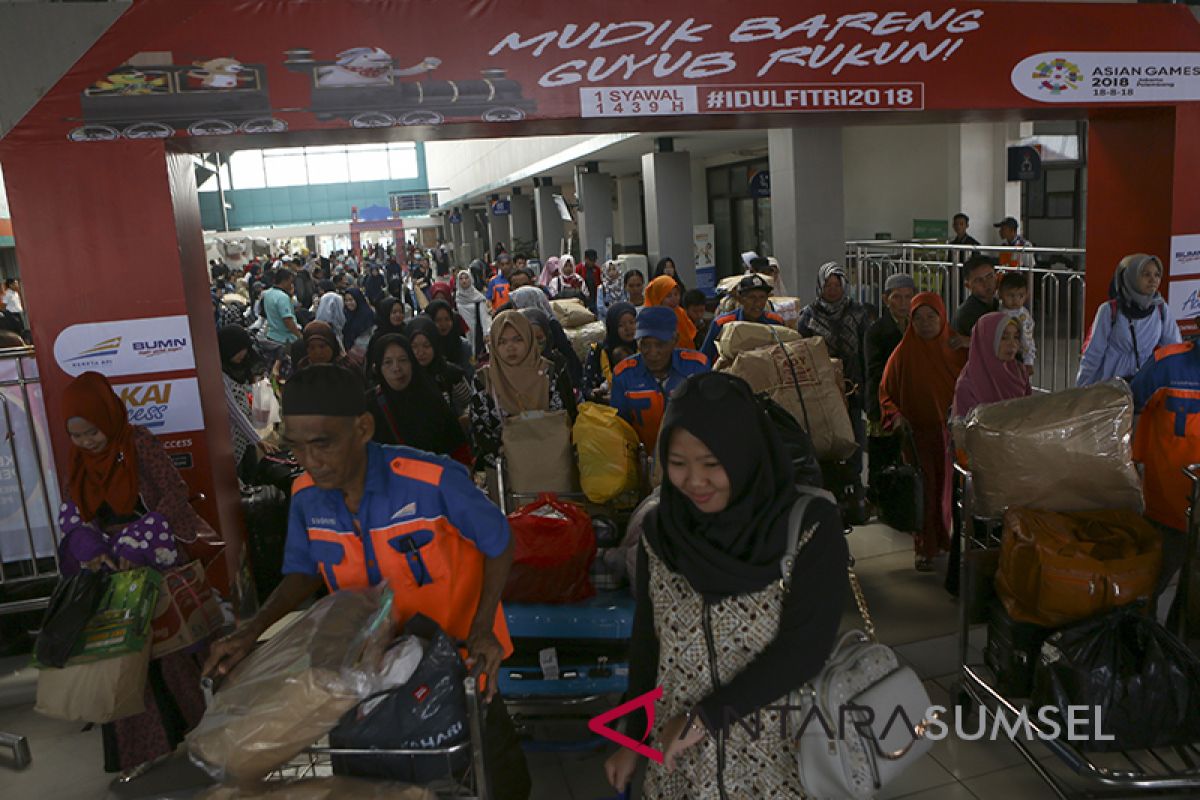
(753, 292)
(642, 382)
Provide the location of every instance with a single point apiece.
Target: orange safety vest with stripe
(422, 525)
(639, 397)
(1167, 435)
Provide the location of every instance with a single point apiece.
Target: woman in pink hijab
(993, 372)
(549, 271)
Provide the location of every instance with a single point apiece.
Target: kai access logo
(1191, 306)
(1058, 76)
(100, 354)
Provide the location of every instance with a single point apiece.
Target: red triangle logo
(599, 725)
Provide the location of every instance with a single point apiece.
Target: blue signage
(760, 183)
(501, 208)
(455, 218)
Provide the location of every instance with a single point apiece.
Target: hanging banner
(1185, 255)
(126, 346)
(225, 68)
(163, 406)
(704, 255)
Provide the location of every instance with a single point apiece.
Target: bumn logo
(158, 347)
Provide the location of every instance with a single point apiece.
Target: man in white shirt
(12, 297)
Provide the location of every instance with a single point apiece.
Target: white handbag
(862, 688)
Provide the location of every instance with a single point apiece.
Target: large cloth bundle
(798, 369)
(788, 307)
(740, 337)
(608, 452)
(572, 313)
(1059, 568)
(583, 337)
(293, 689)
(727, 290)
(1066, 451)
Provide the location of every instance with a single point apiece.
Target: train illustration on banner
(365, 87)
(147, 98)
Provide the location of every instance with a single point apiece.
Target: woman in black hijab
(360, 319)
(450, 379)
(450, 330)
(241, 365)
(709, 581)
(540, 321)
(620, 342)
(407, 407)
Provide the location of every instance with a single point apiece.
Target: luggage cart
(1162, 771)
(468, 784)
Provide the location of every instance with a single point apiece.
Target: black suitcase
(1012, 651)
(265, 509)
(901, 497)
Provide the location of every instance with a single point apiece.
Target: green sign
(930, 229)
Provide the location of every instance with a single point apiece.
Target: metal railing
(1055, 278)
(29, 492)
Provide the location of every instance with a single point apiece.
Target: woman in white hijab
(473, 308)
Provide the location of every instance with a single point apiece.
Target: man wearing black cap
(753, 290)
(642, 383)
(1010, 238)
(363, 513)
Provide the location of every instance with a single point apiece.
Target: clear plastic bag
(293, 689)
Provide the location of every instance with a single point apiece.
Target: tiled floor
(911, 612)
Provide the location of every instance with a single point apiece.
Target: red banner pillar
(115, 279)
(1143, 170)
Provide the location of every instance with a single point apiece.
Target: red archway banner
(216, 68)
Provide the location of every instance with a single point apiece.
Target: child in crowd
(1014, 289)
(694, 305)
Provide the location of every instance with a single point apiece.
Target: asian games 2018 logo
(1057, 76)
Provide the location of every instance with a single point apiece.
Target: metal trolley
(1162, 771)
(469, 783)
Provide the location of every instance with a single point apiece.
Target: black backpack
(797, 441)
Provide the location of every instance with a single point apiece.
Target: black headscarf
(358, 321)
(231, 340)
(417, 416)
(450, 345)
(612, 322)
(375, 285)
(383, 317)
(738, 550)
(445, 373)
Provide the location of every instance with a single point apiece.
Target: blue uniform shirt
(639, 397)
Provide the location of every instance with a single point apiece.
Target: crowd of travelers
(396, 378)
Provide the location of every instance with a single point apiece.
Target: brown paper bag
(98, 691)
(538, 455)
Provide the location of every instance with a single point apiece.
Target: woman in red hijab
(128, 506)
(916, 391)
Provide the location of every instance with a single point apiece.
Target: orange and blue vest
(714, 331)
(422, 525)
(1166, 392)
(498, 291)
(641, 399)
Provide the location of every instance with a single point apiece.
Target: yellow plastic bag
(608, 453)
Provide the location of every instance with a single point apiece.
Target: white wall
(464, 166)
(894, 174)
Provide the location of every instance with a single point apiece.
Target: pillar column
(468, 247)
(520, 219)
(162, 356)
(627, 227)
(807, 214)
(595, 193)
(1143, 169)
(549, 222)
(667, 176)
(498, 228)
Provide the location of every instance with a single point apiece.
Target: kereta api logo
(108, 347)
(1057, 76)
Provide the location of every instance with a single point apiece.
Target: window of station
(312, 166)
(740, 215)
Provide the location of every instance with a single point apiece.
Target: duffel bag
(1058, 568)
(553, 552)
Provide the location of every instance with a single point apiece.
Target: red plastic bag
(553, 552)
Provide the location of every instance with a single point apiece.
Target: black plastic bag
(73, 603)
(1144, 680)
(805, 468)
(427, 713)
(901, 497)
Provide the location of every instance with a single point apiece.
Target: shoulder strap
(796, 539)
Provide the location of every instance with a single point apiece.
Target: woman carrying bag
(716, 625)
(515, 394)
